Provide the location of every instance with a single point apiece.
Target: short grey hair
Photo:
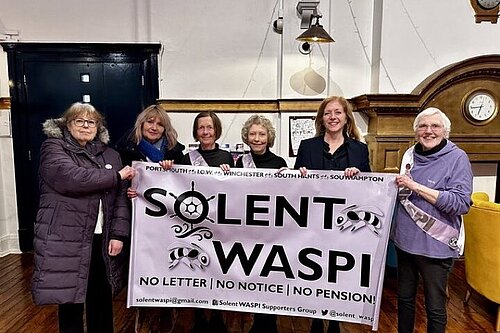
(430, 112)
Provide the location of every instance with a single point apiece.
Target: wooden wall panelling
(5, 103)
(246, 106)
(391, 116)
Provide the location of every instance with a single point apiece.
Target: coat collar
(55, 128)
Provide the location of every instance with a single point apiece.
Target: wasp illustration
(358, 217)
(189, 254)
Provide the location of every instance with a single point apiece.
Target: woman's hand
(167, 164)
(225, 167)
(429, 194)
(349, 172)
(115, 247)
(406, 181)
(280, 170)
(131, 193)
(303, 171)
(127, 173)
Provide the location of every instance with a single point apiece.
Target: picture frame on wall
(301, 127)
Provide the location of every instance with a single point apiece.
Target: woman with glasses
(336, 146)
(435, 189)
(83, 221)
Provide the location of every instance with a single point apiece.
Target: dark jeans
(98, 301)
(434, 274)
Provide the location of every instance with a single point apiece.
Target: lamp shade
(315, 34)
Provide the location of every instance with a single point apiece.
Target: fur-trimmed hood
(54, 128)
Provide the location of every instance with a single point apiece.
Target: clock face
(488, 4)
(480, 107)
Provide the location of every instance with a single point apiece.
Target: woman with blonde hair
(259, 134)
(152, 139)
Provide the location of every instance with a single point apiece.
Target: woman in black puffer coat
(83, 221)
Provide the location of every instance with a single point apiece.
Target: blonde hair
(155, 111)
(264, 122)
(350, 129)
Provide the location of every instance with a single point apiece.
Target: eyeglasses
(432, 127)
(90, 122)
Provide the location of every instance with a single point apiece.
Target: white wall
(420, 37)
(8, 206)
(227, 50)
(485, 175)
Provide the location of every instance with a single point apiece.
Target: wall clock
(480, 107)
(488, 4)
(486, 10)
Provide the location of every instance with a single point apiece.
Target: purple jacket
(73, 180)
(448, 171)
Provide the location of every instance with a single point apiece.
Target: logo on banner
(189, 254)
(192, 207)
(358, 217)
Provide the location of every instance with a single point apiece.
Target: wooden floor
(18, 313)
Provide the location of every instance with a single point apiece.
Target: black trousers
(98, 301)
(434, 273)
(317, 326)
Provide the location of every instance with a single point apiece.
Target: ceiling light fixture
(307, 10)
(315, 34)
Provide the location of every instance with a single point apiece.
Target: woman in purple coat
(435, 190)
(83, 221)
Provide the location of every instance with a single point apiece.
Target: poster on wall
(301, 127)
(255, 240)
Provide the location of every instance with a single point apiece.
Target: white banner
(257, 241)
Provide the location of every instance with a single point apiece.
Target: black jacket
(130, 152)
(310, 154)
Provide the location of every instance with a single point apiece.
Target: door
(119, 80)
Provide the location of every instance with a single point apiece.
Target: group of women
(83, 223)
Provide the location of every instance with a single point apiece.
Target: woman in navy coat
(336, 146)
